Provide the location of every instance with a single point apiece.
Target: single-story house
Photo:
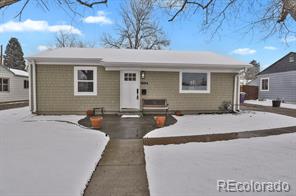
(278, 81)
(73, 80)
(14, 84)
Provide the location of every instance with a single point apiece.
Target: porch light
(142, 74)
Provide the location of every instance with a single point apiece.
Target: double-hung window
(85, 81)
(4, 85)
(195, 82)
(264, 84)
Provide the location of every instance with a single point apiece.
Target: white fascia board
(173, 65)
(67, 61)
(170, 69)
(21, 76)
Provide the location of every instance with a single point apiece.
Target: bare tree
(271, 15)
(138, 30)
(69, 40)
(68, 4)
(250, 73)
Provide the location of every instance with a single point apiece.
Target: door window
(130, 77)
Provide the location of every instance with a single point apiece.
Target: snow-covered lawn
(40, 156)
(269, 103)
(223, 123)
(194, 168)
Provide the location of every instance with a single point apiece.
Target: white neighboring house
(14, 84)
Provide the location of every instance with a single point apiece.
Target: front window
(264, 86)
(4, 85)
(85, 81)
(194, 82)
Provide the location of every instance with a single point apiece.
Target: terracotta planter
(178, 113)
(96, 121)
(89, 113)
(160, 121)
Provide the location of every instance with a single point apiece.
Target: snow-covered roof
(19, 72)
(16, 72)
(132, 57)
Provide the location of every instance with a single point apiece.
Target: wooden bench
(155, 104)
(98, 111)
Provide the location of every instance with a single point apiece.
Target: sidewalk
(230, 136)
(283, 111)
(121, 171)
(13, 104)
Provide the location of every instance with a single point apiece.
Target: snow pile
(269, 103)
(194, 168)
(40, 156)
(19, 72)
(223, 123)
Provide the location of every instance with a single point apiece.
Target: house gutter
(169, 65)
(65, 61)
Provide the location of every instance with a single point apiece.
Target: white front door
(130, 90)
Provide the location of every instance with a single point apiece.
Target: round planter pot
(96, 121)
(160, 121)
(178, 113)
(89, 113)
(276, 103)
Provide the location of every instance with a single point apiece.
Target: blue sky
(37, 29)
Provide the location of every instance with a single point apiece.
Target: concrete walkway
(127, 128)
(121, 171)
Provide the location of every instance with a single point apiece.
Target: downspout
(34, 86)
(236, 92)
(30, 87)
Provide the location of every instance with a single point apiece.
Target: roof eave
(65, 61)
(174, 65)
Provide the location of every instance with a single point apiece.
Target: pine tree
(14, 56)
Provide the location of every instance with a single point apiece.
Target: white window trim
(261, 84)
(4, 78)
(195, 91)
(76, 93)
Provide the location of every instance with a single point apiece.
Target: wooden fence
(252, 91)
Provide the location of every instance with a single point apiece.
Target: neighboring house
(72, 80)
(254, 82)
(278, 81)
(14, 84)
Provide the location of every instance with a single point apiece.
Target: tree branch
(91, 4)
(193, 3)
(21, 11)
(4, 3)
